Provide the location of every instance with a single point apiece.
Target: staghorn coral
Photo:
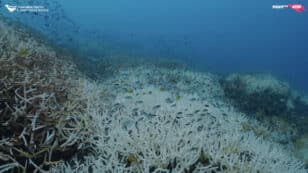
(145, 129)
(41, 120)
(145, 119)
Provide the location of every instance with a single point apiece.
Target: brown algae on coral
(23, 52)
(37, 128)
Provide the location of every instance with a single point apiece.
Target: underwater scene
(164, 86)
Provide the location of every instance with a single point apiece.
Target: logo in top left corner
(11, 8)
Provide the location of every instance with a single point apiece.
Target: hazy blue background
(210, 35)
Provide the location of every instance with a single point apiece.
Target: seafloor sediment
(141, 119)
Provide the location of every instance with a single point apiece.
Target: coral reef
(98, 66)
(265, 96)
(41, 119)
(301, 150)
(144, 119)
(146, 129)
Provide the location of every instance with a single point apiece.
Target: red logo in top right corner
(297, 7)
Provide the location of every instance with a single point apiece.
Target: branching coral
(146, 129)
(145, 119)
(38, 126)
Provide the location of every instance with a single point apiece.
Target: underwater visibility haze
(214, 36)
(219, 36)
(153, 86)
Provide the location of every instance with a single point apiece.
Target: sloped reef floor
(143, 118)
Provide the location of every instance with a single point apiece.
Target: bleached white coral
(41, 118)
(145, 119)
(147, 129)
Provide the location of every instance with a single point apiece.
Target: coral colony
(143, 119)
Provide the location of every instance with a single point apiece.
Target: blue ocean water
(216, 36)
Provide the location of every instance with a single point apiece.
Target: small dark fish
(193, 99)
(117, 104)
(152, 115)
(168, 100)
(139, 101)
(128, 97)
(156, 107)
(143, 113)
